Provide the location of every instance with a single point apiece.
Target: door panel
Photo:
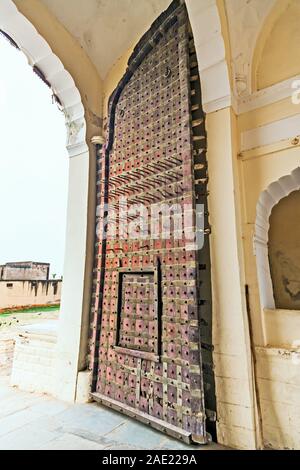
(145, 338)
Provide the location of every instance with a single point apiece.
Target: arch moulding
(210, 48)
(267, 200)
(40, 55)
(70, 345)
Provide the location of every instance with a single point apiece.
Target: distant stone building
(25, 271)
(26, 284)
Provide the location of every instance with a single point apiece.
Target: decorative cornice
(271, 133)
(40, 55)
(245, 22)
(268, 96)
(77, 149)
(259, 152)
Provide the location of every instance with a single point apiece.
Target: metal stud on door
(145, 334)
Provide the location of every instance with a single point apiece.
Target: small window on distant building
(9, 285)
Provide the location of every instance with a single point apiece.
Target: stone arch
(205, 21)
(267, 200)
(275, 15)
(40, 56)
(70, 347)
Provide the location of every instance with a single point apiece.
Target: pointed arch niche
(281, 325)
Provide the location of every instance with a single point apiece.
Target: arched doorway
(50, 69)
(205, 19)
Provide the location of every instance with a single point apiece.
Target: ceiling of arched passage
(106, 28)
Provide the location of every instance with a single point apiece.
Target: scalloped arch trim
(210, 48)
(39, 54)
(267, 200)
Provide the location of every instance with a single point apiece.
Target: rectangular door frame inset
(155, 271)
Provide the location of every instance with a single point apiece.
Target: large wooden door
(145, 340)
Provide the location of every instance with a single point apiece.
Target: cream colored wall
(278, 56)
(232, 359)
(23, 293)
(113, 77)
(259, 117)
(275, 333)
(72, 348)
(262, 162)
(236, 424)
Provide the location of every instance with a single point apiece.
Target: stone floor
(32, 421)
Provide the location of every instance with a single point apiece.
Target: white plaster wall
(71, 319)
(269, 162)
(278, 376)
(236, 411)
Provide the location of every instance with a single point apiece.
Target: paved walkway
(31, 421)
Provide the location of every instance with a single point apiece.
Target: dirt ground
(9, 323)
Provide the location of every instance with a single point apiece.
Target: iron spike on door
(145, 342)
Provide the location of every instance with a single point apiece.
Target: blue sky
(33, 166)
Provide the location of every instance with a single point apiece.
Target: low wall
(25, 293)
(278, 380)
(34, 358)
(6, 354)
